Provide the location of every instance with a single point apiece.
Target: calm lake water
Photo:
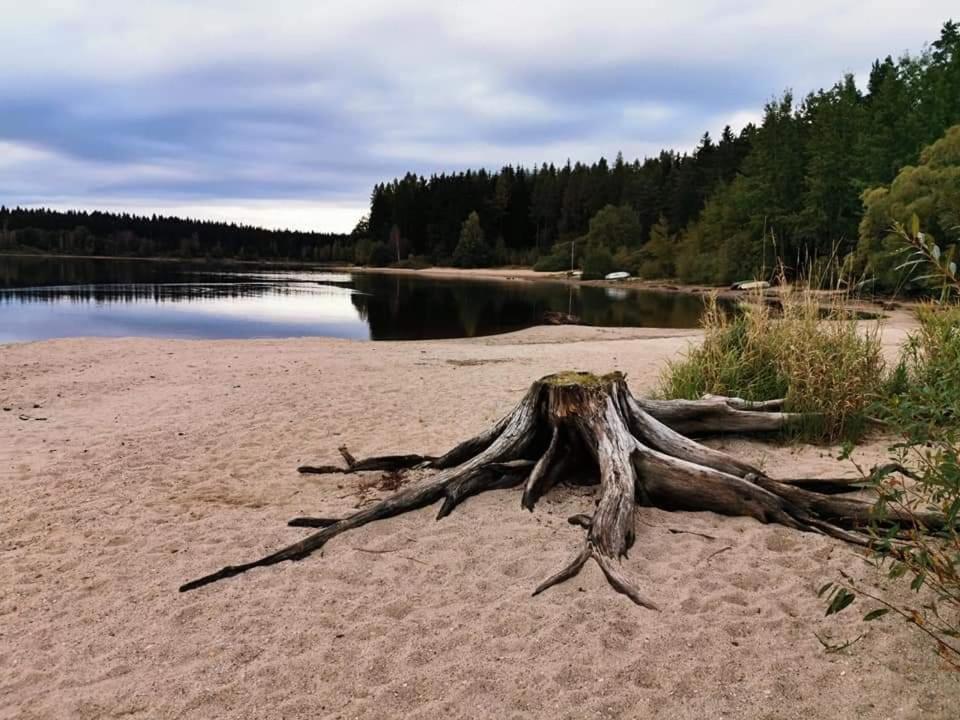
(44, 298)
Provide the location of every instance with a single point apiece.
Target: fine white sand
(159, 461)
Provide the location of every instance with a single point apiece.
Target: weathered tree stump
(575, 426)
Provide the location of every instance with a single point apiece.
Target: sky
(286, 113)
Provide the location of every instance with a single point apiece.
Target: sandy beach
(130, 466)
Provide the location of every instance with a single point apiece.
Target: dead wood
(582, 428)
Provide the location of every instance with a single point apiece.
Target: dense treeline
(790, 189)
(102, 233)
(524, 212)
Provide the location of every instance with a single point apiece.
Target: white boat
(751, 285)
(616, 276)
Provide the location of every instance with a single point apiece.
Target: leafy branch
(923, 252)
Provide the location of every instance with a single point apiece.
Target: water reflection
(45, 298)
(168, 292)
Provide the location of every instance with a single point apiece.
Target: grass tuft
(821, 360)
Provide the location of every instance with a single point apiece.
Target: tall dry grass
(817, 356)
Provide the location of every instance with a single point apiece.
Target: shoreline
(897, 317)
(499, 274)
(524, 274)
(503, 273)
(882, 308)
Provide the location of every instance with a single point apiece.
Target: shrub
(472, 249)
(827, 367)
(926, 398)
(615, 226)
(380, 255)
(597, 262)
(628, 260)
(924, 475)
(657, 259)
(552, 263)
(927, 191)
(559, 258)
(413, 262)
(732, 360)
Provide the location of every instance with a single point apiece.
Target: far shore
(524, 274)
(498, 274)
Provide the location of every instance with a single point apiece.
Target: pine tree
(831, 197)
(472, 250)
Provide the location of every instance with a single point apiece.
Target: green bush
(923, 478)
(413, 262)
(925, 396)
(552, 263)
(828, 368)
(657, 256)
(732, 360)
(361, 251)
(560, 258)
(597, 262)
(380, 255)
(472, 249)
(615, 226)
(929, 191)
(628, 260)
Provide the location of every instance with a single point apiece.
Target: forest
(822, 178)
(39, 230)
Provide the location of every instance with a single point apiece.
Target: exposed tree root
(384, 462)
(578, 427)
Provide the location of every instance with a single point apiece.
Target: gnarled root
(584, 428)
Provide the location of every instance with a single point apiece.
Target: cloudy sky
(285, 113)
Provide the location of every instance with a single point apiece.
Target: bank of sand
(158, 461)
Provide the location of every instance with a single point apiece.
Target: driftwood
(553, 317)
(582, 428)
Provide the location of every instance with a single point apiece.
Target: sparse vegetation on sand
(923, 406)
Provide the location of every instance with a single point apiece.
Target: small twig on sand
(831, 648)
(714, 554)
(374, 551)
(677, 531)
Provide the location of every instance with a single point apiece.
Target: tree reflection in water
(60, 297)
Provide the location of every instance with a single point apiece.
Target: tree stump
(575, 426)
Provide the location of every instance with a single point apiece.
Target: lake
(43, 298)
